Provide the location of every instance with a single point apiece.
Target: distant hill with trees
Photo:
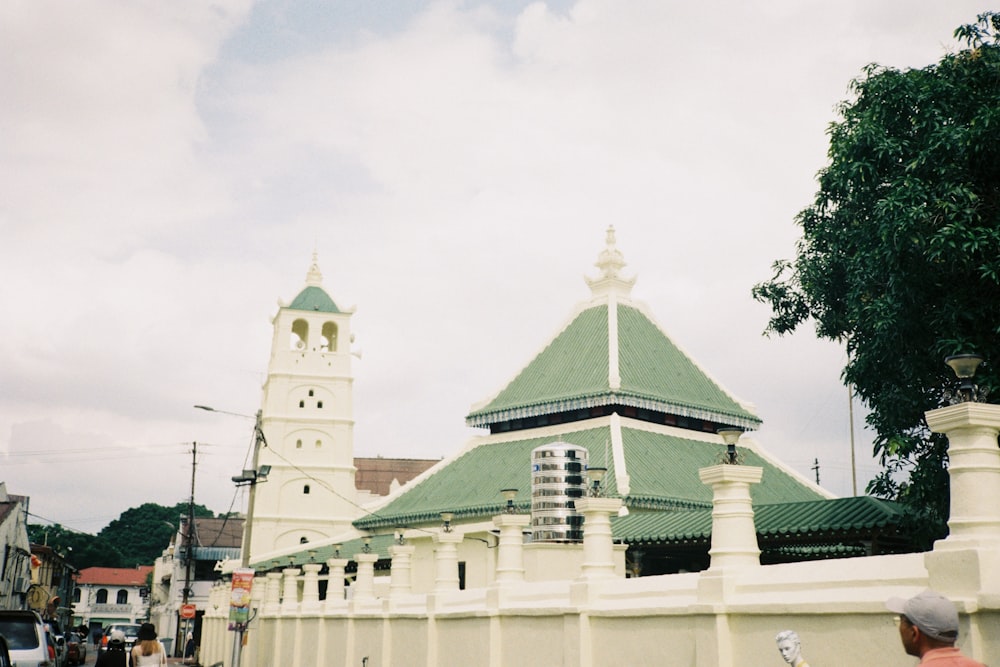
(137, 537)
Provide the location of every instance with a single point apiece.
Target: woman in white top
(148, 651)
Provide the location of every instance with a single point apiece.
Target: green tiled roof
(815, 519)
(314, 298)
(470, 485)
(652, 367)
(379, 544)
(663, 472)
(571, 373)
(665, 468)
(572, 367)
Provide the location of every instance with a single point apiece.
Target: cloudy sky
(168, 168)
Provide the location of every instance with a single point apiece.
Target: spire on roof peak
(313, 276)
(610, 262)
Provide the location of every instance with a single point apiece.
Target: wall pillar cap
(730, 473)
(590, 504)
(519, 520)
(454, 537)
(401, 549)
(948, 418)
(366, 557)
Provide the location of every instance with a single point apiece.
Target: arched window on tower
(305, 489)
(329, 337)
(300, 335)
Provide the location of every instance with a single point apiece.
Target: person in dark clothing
(115, 656)
(189, 649)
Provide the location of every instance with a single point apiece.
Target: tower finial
(313, 276)
(610, 262)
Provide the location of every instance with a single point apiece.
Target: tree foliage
(80, 550)
(900, 253)
(137, 537)
(142, 533)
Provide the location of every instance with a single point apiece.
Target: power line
(61, 525)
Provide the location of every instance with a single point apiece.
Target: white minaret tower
(307, 420)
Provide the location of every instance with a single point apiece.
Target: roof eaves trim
(603, 399)
(408, 519)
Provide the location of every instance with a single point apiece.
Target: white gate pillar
(510, 549)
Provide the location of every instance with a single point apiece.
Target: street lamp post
(247, 478)
(251, 477)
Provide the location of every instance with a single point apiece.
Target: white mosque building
(670, 551)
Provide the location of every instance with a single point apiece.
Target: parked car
(5, 654)
(131, 631)
(76, 650)
(59, 645)
(28, 643)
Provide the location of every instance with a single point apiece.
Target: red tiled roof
(115, 576)
(376, 475)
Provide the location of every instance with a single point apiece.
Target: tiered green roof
(662, 469)
(572, 374)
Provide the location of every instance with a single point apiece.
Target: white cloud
(168, 169)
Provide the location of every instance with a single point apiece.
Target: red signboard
(187, 611)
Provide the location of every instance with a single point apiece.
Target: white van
(27, 640)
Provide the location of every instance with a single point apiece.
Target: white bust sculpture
(790, 648)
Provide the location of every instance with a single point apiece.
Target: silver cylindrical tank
(558, 478)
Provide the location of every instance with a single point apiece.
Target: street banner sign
(239, 600)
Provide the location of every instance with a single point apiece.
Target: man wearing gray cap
(928, 627)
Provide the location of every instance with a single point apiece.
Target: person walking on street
(148, 651)
(928, 628)
(115, 655)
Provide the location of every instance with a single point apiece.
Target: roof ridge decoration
(610, 262)
(314, 277)
(313, 297)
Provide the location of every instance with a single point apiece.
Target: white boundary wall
(722, 617)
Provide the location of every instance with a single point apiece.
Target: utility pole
(854, 466)
(258, 441)
(815, 468)
(189, 541)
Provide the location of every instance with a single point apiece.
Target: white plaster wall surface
(836, 606)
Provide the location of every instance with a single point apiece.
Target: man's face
(789, 650)
(908, 635)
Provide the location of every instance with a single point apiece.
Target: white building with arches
(106, 595)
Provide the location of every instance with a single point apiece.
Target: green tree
(81, 550)
(142, 533)
(900, 253)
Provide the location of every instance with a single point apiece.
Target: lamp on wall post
(730, 435)
(595, 475)
(965, 366)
